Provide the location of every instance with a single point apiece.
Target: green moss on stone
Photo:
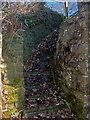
(73, 103)
(76, 105)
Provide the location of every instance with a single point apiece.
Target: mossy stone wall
(71, 60)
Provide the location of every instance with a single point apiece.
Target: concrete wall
(12, 78)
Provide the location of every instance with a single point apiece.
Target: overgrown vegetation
(73, 103)
(38, 26)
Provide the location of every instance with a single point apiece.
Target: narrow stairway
(42, 101)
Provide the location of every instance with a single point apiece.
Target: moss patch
(73, 103)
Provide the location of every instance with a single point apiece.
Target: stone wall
(71, 61)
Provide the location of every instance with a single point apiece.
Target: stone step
(32, 86)
(39, 95)
(44, 111)
(45, 102)
(40, 82)
(38, 73)
(36, 97)
(49, 108)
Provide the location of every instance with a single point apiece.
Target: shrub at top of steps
(47, 17)
(38, 25)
